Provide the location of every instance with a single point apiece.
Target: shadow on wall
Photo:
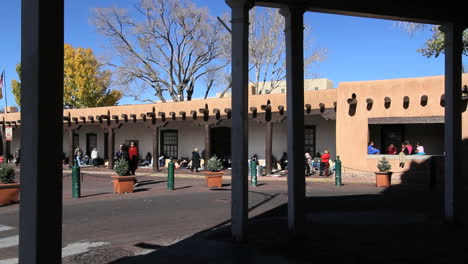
(431, 171)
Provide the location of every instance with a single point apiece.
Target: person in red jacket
(133, 155)
(324, 163)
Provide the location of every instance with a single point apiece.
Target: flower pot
(214, 179)
(9, 193)
(123, 184)
(383, 179)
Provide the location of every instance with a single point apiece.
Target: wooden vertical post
(207, 145)
(110, 148)
(155, 149)
(268, 147)
(71, 148)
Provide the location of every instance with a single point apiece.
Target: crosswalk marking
(9, 241)
(5, 228)
(69, 250)
(80, 247)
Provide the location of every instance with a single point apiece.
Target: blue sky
(358, 48)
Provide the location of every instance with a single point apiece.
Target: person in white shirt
(94, 157)
(420, 149)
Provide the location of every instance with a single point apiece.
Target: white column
(239, 116)
(294, 31)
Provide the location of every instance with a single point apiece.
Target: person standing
(94, 157)
(17, 156)
(308, 163)
(195, 160)
(325, 163)
(402, 156)
(78, 155)
(133, 155)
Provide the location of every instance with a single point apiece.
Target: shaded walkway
(400, 225)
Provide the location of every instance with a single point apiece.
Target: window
(283, 90)
(316, 88)
(169, 143)
(430, 135)
(309, 139)
(91, 142)
(76, 140)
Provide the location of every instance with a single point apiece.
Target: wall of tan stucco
(352, 128)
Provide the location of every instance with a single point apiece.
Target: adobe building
(342, 120)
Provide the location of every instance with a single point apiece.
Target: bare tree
(165, 47)
(267, 50)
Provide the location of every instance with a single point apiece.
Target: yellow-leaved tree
(85, 83)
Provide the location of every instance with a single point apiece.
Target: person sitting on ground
(419, 149)
(147, 160)
(392, 150)
(371, 149)
(183, 163)
(162, 160)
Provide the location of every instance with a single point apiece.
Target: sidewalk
(277, 176)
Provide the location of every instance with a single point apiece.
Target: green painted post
(338, 171)
(76, 185)
(170, 175)
(253, 173)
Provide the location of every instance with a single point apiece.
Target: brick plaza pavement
(355, 223)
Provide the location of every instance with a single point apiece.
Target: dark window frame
(89, 148)
(171, 148)
(311, 147)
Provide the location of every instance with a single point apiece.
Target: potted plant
(123, 182)
(9, 189)
(214, 175)
(383, 177)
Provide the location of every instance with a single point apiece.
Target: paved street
(102, 227)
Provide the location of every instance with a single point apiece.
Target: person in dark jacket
(195, 160)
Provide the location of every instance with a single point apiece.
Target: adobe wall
(352, 125)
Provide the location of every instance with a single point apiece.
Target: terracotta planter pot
(9, 193)
(214, 179)
(383, 179)
(123, 184)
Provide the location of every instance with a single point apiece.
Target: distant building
(309, 85)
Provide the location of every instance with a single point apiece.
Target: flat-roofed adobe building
(342, 120)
